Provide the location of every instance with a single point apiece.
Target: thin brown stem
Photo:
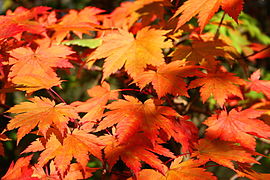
(51, 94)
(6, 116)
(245, 57)
(55, 93)
(219, 25)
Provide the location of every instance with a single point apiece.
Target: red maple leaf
(259, 85)
(237, 126)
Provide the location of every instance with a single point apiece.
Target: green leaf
(90, 43)
(254, 95)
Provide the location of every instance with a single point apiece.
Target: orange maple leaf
(263, 106)
(75, 171)
(187, 170)
(169, 78)
(41, 112)
(38, 172)
(129, 12)
(259, 85)
(219, 84)
(33, 82)
(253, 175)
(95, 106)
(78, 22)
(122, 49)
(132, 152)
(132, 116)
(206, 9)
(34, 147)
(20, 169)
(221, 152)
(203, 52)
(38, 65)
(77, 145)
(238, 126)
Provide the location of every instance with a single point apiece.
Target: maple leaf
(131, 153)
(169, 78)
(129, 12)
(123, 16)
(237, 126)
(33, 82)
(122, 49)
(34, 147)
(38, 65)
(77, 22)
(203, 52)
(95, 106)
(253, 175)
(187, 170)
(9, 28)
(20, 170)
(151, 11)
(263, 106)
(38, 172)
(206, 9)
(41, 61)
(19, 21)
(74, 172)
(263, 51)
(221, 152)
(41, 112)
(218, 84)
(76, 145)
(259, 85)
(132, 116)
(185, 133)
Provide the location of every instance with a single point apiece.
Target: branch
(55, 93)
(219, 25)
(245, 57)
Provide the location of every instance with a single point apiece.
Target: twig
(51, 94)
(55, 93)
(219, 25)
(245, 57)
(6, 116)
(267, 141)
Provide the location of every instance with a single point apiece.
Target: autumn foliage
(157, 73)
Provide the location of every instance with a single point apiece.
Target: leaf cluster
(160, 78)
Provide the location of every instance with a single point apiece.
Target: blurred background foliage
(254, 28)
